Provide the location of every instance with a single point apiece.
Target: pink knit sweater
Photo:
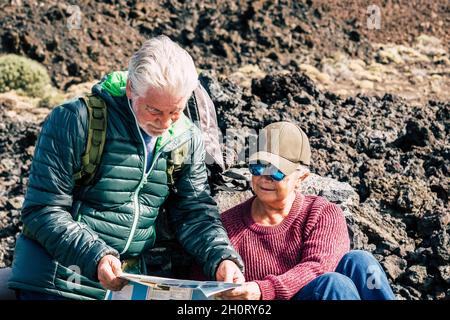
(282, 259)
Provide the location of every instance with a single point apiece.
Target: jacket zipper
(136, 208)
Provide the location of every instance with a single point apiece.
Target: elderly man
(77, 239)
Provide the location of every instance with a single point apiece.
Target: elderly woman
(295, 246)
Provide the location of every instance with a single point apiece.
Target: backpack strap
(96, 138)
(175, 163)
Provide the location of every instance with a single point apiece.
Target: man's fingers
(228, 277)
(239, 277)
(117, 268)
(108, 276)
(118, 284)
(232, 273)
(114, 285)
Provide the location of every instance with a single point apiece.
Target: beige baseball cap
(284, 145)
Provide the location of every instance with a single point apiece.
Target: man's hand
(228, 271)
(108, 270)
(248, 291)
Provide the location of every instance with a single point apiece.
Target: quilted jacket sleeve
(45, 212)
(195, 217)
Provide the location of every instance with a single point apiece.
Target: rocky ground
(373, 102)
(329, 40)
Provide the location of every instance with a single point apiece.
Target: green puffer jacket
(74, 227)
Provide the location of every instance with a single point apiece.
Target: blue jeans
(358, 276)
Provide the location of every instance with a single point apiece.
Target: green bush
(24, 75)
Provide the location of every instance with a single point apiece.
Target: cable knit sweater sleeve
(326, 241)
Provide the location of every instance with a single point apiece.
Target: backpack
(167, 257)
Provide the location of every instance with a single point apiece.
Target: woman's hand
(248, 291)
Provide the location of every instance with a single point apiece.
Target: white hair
(163, 65)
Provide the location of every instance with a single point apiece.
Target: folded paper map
(142, 287)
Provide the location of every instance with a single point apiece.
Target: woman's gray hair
(163, 65)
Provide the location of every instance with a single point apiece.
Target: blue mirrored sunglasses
(259, 169)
